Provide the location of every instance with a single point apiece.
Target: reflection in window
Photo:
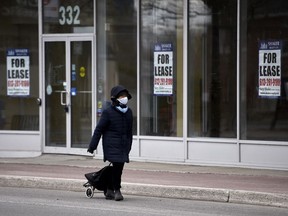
(116, 51)
(263, 118)
(161, 23)
(212, 68)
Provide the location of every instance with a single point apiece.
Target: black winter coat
(116, 128)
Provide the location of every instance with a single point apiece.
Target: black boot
(118, 195)
(109, 194)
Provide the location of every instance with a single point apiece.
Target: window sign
(69, 16)
(163, 69)
(270, 68)
(18, 72)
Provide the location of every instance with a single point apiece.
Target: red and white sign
(269, 68)
(18, 72)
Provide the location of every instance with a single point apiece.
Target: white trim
(21, 132)
(68, 90)
(138, 76)
(94, 85)
(82, 35)
(213, 140)
(41, 92)
(65, 38)
(262, 142)
(185, 76)
(238, 88)
(160, 138)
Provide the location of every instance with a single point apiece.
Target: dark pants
(116, 176)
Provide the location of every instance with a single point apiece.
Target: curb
(258, 198)
(178, 192)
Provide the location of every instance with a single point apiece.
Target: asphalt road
(36, 202)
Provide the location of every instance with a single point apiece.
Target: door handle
(39, 101)
(64, 102)
(63, 94)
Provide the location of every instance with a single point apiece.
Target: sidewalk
(223, 184)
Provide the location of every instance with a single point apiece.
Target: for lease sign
(18, 72)
(163, 69)
(269, 68)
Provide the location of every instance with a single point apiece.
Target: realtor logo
(157, 47)
(263, 45)
(10, 52)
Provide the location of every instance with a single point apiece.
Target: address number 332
(69, 15)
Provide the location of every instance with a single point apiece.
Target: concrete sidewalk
(223, 184)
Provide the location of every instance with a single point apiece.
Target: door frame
(67, 39)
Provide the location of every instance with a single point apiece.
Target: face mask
(123, 110)
(123, 100)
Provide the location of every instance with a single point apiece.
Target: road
(39, 202)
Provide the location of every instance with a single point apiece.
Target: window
(19, 52)
(161, 109)
(264, 103)
(212, 68)
(116, 51)
(68, 16)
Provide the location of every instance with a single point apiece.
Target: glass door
(68, 93)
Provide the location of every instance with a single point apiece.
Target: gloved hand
(90, 151)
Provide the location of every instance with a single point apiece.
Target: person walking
(115, 127)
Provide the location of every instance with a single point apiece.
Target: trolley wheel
(89, 192)
(105, 190)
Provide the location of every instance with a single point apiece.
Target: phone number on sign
(163, 81)
(18, 83)
(269, 82)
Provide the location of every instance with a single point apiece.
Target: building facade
(208, 78)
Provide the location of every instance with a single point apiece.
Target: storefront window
(19, 67)
(69, 16)
(161, 70)
(116, 51)
(264, 74)
(212, 56)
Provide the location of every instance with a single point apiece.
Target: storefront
(208, 78)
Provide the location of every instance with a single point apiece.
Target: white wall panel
(265, 155)
(209, 152)
(20, 145)
(162, 150)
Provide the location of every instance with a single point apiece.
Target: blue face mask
(123, 110)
